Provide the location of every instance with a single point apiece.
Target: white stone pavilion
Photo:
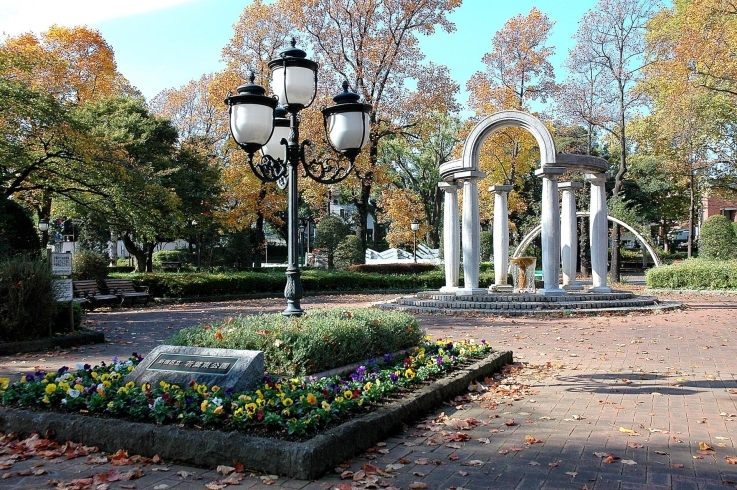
(559, 232)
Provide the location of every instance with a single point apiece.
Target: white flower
(216, 401)
(73, 393)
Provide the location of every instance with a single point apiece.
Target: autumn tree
(374, 46)
(692, 85)
(606, 62)
(46, 78)
(517, 72)
(415, 161)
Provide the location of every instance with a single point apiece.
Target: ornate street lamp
(415, 225)
(257, 124)
(43, 227)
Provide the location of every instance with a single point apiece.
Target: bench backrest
(86, 286)
(125, 285)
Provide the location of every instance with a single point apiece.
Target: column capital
(500, 188)
(469, 175)
(449, 187)
(570, 185)
(597, 179)
(550, 171)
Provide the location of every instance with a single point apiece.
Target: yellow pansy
(50, 388)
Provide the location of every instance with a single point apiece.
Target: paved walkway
(601, 402)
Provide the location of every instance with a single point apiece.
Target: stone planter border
(302, 460)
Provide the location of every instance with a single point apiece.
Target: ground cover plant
(282, 407)
(317, 341)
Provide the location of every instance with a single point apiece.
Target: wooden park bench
(125, 289)
(89, 294)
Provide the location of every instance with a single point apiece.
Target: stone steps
(527, 304)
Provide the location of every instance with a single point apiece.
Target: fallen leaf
(572, 473)
(422, 461)
(453, 457)
(359, 475)
(510, 423)
(346, 475)
(634, 445)
(731, 459)
(473, 462)
(676, 465)
(628, 431)
(553, 465)
(628, 461)
(161, 487)
(704, 447)
(662, 453)
(225, 470)
(533, 463)
(418, 473)
(418, 485)
(463, 473)
(532, 440)
(503, 451)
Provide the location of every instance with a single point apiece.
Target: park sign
(241, 370)
(61, 264)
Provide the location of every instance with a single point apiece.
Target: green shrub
(27, 302)
(349, 252)
(694, 274)
(87, 264)
(317, 341)
(717, 240)
(60, 322)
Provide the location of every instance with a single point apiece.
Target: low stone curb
(302, 460)
(40, 345)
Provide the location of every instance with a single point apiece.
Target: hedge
(202, 284)
(694, 274)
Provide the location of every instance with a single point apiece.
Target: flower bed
(295, 408)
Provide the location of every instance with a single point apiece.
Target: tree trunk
(362, 208)
(584, 247)
(138, 253)
(691, 213)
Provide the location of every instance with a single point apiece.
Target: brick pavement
(647, 388)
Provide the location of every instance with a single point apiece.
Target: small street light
(415, 225)
(257, 124)
(43, 227)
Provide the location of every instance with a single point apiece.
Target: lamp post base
(293, 292)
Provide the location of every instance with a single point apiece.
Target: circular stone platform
(527, 303)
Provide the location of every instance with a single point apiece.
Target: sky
(161, 44)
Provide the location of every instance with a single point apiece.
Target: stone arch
(492, 123)
(535, 232)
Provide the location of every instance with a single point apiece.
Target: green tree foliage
(330, 231)
(717, 240)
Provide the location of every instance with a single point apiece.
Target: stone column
(471, 227)
(451, 236)
(501, 238)
(569, 235)
(550, 234)
(599, 233)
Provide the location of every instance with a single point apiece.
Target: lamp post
(257, 124)
(43, 227)
(415, 225)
